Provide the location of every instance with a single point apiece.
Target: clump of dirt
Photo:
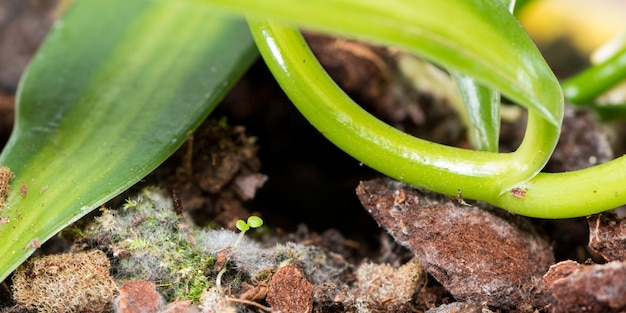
(5, 178)
(289, 291)
(214, 173)
(461, 307)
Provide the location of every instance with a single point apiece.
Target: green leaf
(242, 226)
(114, 90)
(482, 105)
(477, 38)
(255, 221)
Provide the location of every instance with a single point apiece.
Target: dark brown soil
(260, 156)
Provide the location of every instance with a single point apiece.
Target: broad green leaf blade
(113, 91)
(483, 110)
(478, 38)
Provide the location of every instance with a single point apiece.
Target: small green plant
(243, 226)
(252, 222)
(119, 84)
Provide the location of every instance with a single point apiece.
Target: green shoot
(243, 226)
(253, 222)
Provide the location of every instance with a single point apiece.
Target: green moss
(153, 243)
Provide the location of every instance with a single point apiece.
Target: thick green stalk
(570, 194)
(478, 38)
(476, 174)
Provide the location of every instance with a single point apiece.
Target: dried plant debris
(477, 254)
(383, 288)
(5, 177)
(73, 282)
(607, 236)
(150, 241)
(461, 307)
(214, 302)
(573, 287)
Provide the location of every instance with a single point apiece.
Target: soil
(365, 243)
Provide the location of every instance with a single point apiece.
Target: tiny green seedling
(252, 222)
(243, 226)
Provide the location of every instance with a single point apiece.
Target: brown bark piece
(478, 254)
(607, 236)
(577, 288)
(289, 291)
(139, 296)
(560, 270)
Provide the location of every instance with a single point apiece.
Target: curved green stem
(477, 174)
